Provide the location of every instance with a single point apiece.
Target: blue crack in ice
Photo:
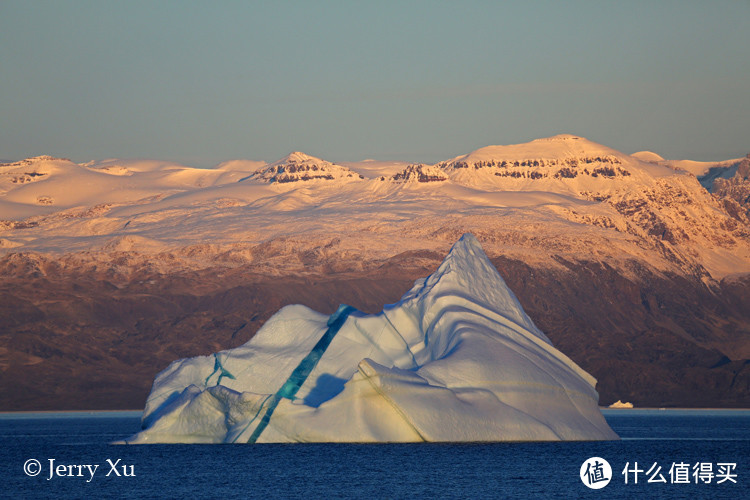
(218, 368)
(304, 368)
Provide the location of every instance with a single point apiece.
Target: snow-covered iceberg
(457, 359)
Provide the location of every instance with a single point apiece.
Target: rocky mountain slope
(734, 191)
(110, 270)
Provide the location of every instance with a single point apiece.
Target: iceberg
(620, 405)
(456, 359)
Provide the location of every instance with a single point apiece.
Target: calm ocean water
(472, 470)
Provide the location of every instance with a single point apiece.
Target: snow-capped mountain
(299, 167)
(571, 222)
(419, 173)
(563, 163)
(562, 186)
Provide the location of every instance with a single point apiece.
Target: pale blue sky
(203, 82)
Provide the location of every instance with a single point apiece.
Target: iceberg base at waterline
(456, 359)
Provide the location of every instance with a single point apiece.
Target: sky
(420, 81)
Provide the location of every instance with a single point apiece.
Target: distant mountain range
(635, 266)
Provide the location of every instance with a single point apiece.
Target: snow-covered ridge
(31, 170)
(607, 166)
(561, 194)
(707, 172)
(418, 173)
(700, 168)
(298, 166)
(558, 147)
(539, 162)
(32, 161)
(564, 163)
(649, 156)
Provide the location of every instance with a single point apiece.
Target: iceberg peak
(467, 272)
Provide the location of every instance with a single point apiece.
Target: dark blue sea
(697, 454)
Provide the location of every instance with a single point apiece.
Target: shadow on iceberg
(457, 359)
